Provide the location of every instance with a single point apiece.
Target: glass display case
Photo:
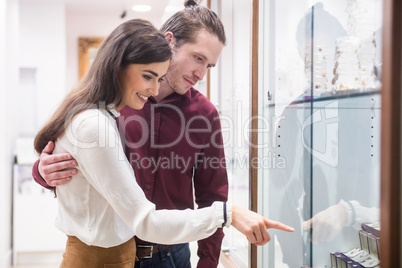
(233, 100)
(320, 95)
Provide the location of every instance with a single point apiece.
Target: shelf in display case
(355, 95)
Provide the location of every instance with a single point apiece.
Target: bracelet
(224, 215)
(353, 212)
(350, 212)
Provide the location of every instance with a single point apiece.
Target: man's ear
(169, 36)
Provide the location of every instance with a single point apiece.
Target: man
(174, 143)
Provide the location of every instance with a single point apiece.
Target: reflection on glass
(325, 124)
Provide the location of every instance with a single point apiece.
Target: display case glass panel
(321, 94)
(232, 87)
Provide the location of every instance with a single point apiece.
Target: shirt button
(154, 133)
(148, 187)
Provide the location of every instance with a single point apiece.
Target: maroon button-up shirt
(173, 146)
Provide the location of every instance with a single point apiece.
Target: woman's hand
(254, 226)
(327, 224)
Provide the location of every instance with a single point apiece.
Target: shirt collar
(174, 97)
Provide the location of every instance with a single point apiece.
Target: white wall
(42, 47)
(90, 25)
(84, 25)
(49, 35)
(8, 90)
(36, 41)
(5, 195)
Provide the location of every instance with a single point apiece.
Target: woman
(103, 207)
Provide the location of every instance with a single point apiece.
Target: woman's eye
(161, 79)
(147, 77)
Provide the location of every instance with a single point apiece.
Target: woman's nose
(154, 91)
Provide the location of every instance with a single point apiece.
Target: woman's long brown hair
(133, 42)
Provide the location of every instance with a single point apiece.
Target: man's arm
(211, 184)
(53, 169)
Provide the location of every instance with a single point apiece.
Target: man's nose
(200, 72)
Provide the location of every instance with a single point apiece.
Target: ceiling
(161, 9)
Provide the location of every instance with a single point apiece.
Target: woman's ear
(169, 36)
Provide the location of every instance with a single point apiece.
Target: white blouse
(104, 206)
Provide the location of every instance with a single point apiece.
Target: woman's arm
(96, 145)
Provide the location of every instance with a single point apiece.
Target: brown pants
(80, 255)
